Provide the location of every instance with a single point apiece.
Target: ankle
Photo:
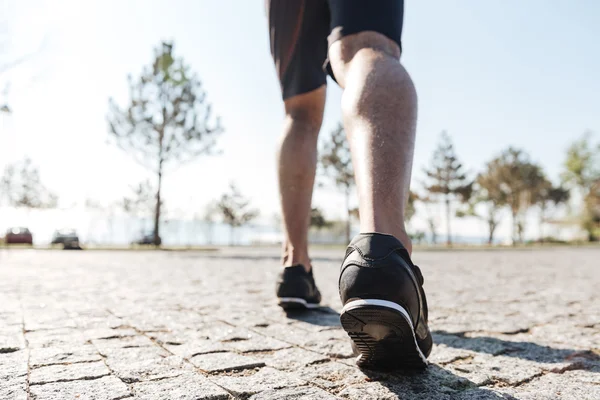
(292, 256)
(399, 234)
(403, 237)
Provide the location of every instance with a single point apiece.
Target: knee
(305, 112)
(304, 118)
(358, 51)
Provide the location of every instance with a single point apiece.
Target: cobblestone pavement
(190, 325)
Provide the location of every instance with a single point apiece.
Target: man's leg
(379, 107)
(297, 161)
(385, 309)
(298, 33)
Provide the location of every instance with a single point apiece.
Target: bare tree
(168, 120)
(235, 209)
(140, 204)
(209, 218)
(6, 65)
(22, 186)
(336, 162)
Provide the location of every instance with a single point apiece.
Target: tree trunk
(431, 224)
(514, 227)
(157, 241)
(231, 232)
(348, 215)
(521, 230)
(542, 218)
(492, 229)
(161, 137)
(449, 238)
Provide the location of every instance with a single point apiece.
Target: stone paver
(68, 372)
(191, 325)
(220, 362)
(106, 388)
(249, 382)
(40, 357)
(291, 358)
(188, 386)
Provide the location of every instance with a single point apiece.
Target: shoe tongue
(376, 245)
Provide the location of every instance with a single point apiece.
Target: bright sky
(493, 73)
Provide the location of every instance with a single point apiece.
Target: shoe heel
(382, 332)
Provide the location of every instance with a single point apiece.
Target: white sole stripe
(298, 300)
(388, 304)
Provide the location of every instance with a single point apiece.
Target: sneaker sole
(383, 333)
(294, 303)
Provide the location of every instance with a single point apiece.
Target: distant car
(18, 236)
(68, 238)
(147, 239)
(63, 236)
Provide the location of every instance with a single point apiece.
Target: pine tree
(447, 179)
(168, 120)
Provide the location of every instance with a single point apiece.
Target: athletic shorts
(301, 32)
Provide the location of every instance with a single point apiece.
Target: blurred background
(157, 122)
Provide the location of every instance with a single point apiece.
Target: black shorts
(301, 32)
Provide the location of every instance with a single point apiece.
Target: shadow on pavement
(585, 359)
(434, 382)
(322, 316)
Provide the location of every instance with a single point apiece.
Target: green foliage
(336, 163)
(447, 175)
(591, 218)
(410, 210)
(447, 178)
(336, 160)
(486, 192)
(512, 179)
(582, 164)
(582, 170)
(317, 219)
(21, 186)
(432, 223)
(168, 120)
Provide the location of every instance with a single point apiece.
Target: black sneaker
(385, 310)
(296, 288)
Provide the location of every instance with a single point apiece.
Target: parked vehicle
(63, 236)
(147, 239)
(18, 236)
(68, 238)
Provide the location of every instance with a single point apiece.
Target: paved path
(182, 325)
